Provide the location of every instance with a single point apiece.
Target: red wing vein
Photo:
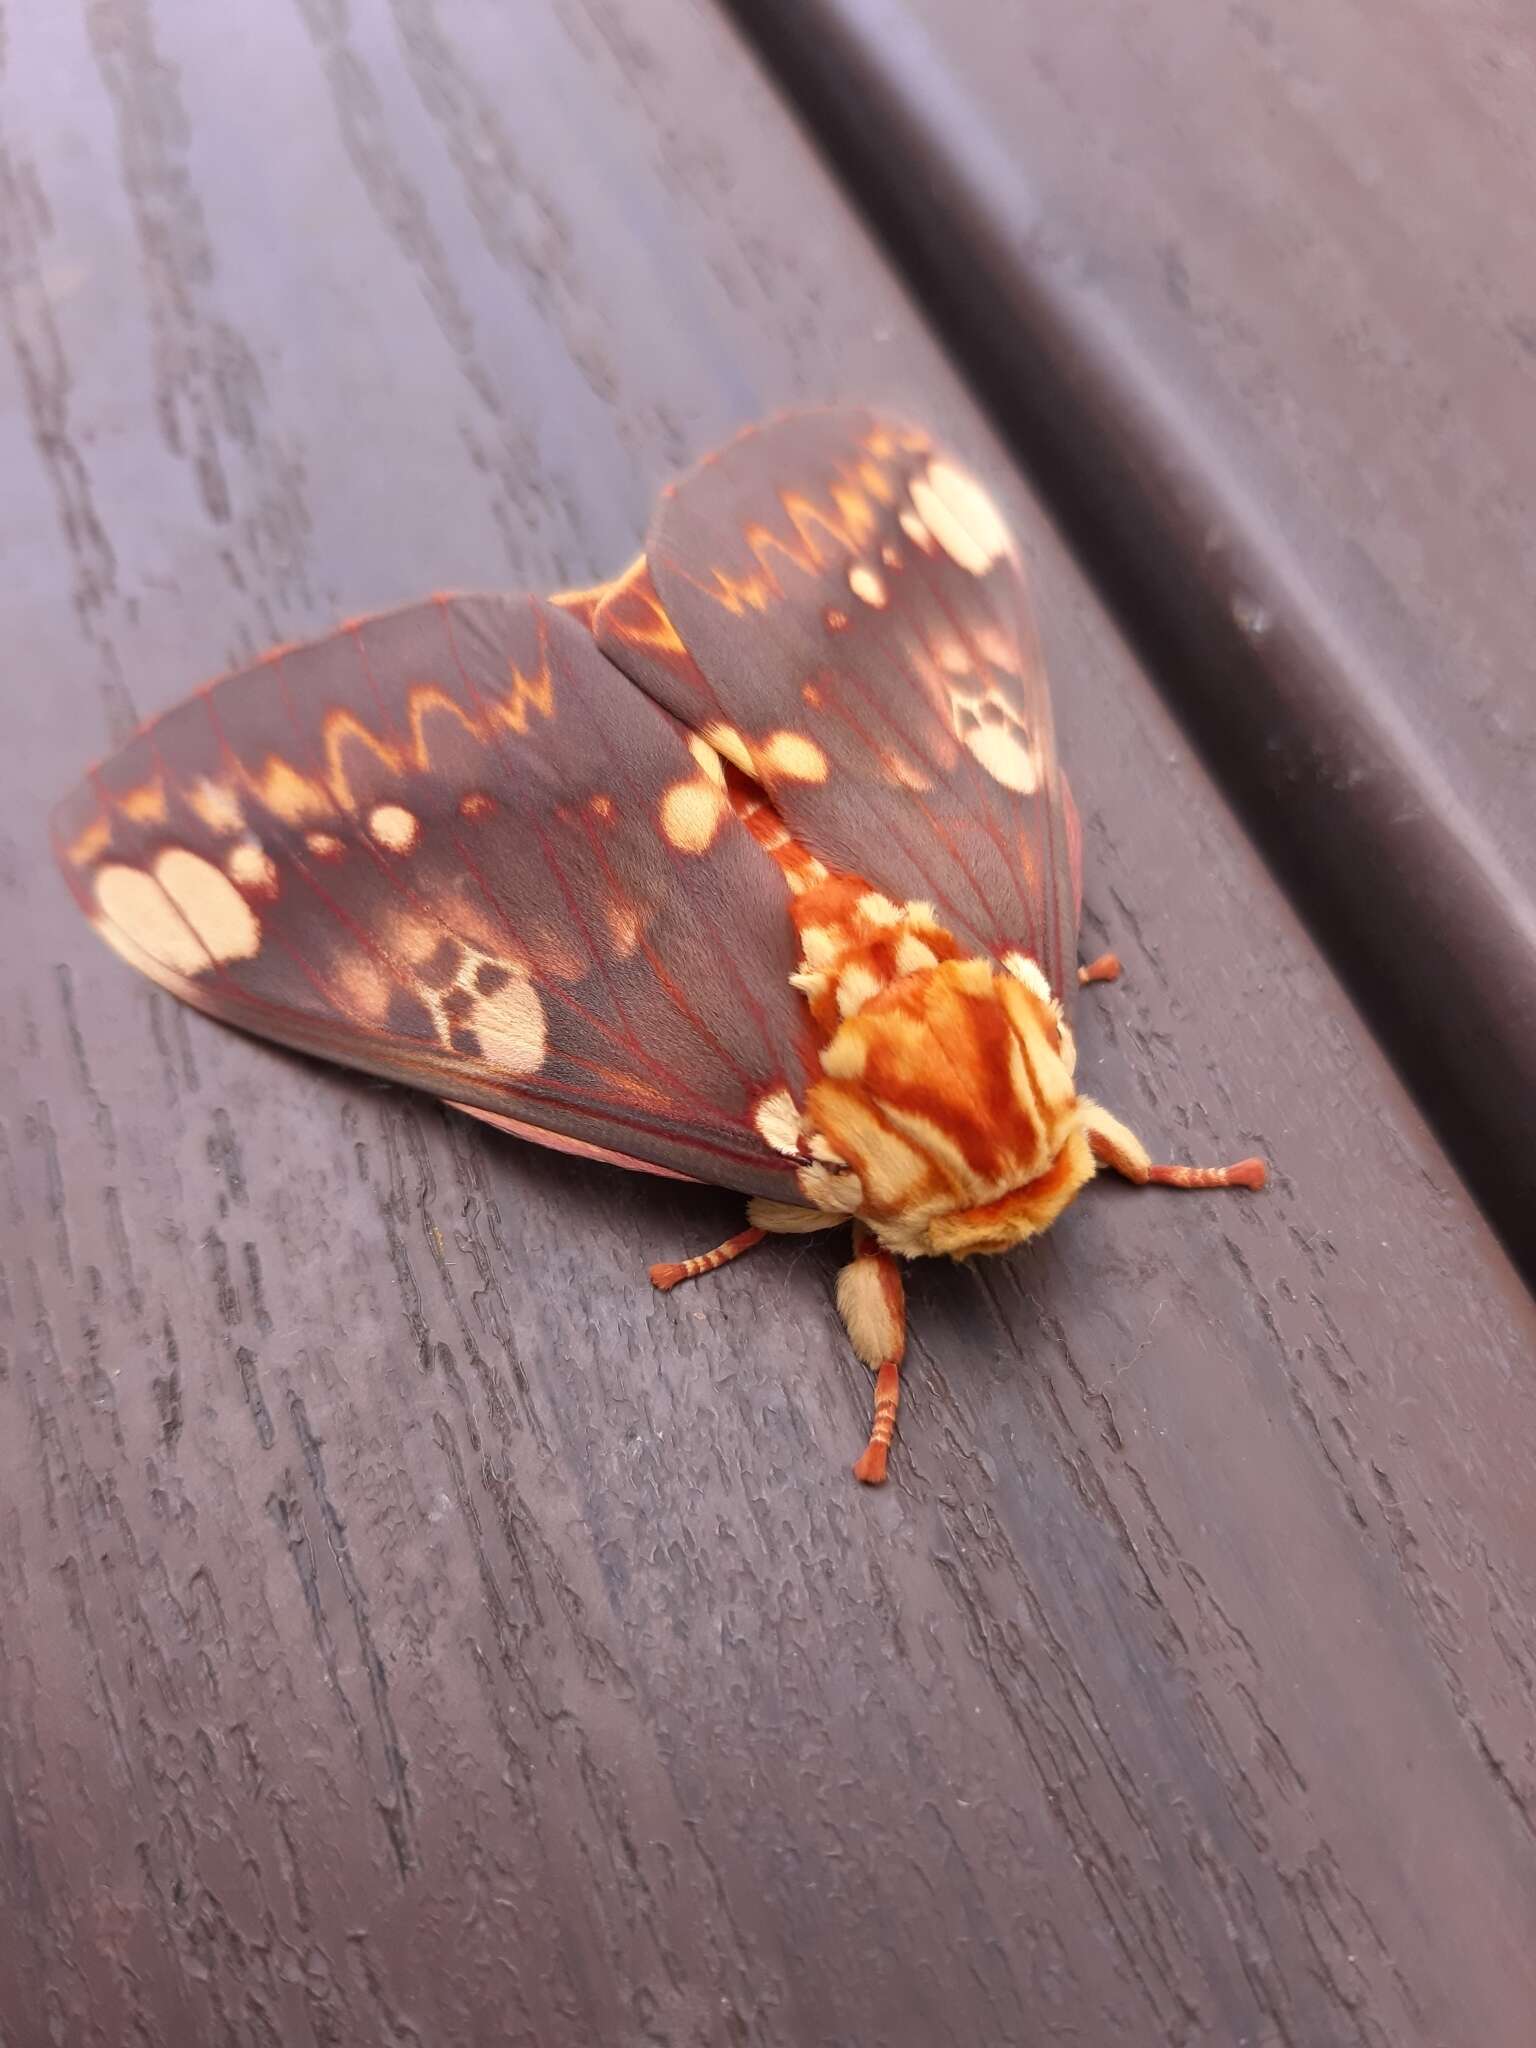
(935, 824)
(1035, 938)
(984, 797)
(750, 1003)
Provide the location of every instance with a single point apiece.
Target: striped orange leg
(670, 1272)
(1115, 1146)
(1105, 968)
(873, 1306)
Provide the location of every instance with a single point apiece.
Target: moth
(754, 866)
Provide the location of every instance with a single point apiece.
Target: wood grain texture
(1251, 294)
(413, 1631)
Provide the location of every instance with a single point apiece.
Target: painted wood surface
(411, 1629)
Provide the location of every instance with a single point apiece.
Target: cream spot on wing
(136, 905)
(836, 621)
(211, 904)
(878, 909)
(510, 1026)
(725, 739)
(394, 826)
(324, 845)
(1005, 753)
(920, 916)
(708, 758)
(602, 807)
(361, 987)
(890, 556)
(961, 517)
(952, 657)
(250, 863)
(915, 530)
(900, 771)
(778, 1122)
(818, 946)
(867, 585)
(290, 795)
(855, 986)
(623, 928)
(146, 804)
(216, 804)
(792, 756)
(475, 804)
(414, 939)
(691, 813)
(912, 956)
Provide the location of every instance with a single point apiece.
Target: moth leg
(670, 1272)
(872, 1303)
(1105, 968)
(1113, 1145)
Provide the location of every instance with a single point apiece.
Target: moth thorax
(947, 1112)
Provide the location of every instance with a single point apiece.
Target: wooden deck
(414, 1631)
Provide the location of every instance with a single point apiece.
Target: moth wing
(841, 609)
(454, 846)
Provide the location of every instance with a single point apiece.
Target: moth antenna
(1105, 968)
(668, 1274)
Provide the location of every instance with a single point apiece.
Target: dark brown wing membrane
(453, 845)
(842, 611)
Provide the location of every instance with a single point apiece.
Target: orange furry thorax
(944, 1116)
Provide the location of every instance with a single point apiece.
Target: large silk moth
(754, 866)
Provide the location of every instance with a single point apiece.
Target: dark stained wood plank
(411, 1630)
(1253, 295)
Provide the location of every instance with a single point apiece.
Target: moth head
(946, 1116)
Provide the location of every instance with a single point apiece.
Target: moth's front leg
(1121, 1149)
(872, 1303)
